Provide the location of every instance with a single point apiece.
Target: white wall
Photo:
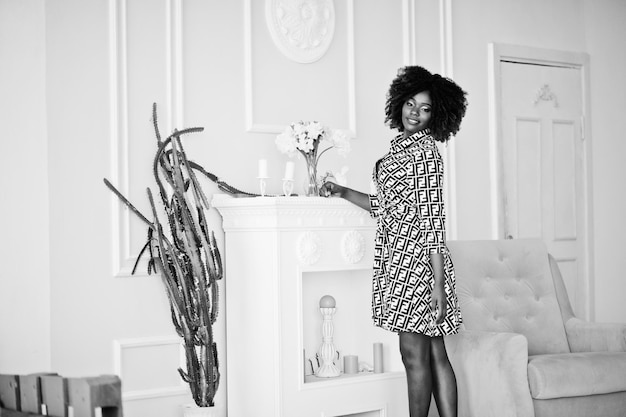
(68, 115)
(24, 223)
(605, 31)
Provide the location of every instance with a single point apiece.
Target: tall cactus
(185, 254)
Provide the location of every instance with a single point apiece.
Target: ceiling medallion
(301, 29)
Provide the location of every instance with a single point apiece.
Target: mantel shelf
(312, 381)
(282, 213)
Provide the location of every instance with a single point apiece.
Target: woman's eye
(425, 109)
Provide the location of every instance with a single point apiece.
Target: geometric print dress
(410, 218)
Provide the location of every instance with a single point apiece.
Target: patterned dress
(410, 217)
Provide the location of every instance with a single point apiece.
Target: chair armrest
(584, 336)
(491, 373)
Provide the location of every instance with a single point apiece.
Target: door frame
(498, 52)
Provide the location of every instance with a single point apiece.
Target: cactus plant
(185, 254)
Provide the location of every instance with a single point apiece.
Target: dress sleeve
(428, 181)
(374, 205)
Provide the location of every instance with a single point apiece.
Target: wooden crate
(54, 395)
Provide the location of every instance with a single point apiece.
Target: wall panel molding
(446, 48)
(409, 32)
(123, 252)
(255, 126)
(174, 49)
(118, 119)
(123, 347)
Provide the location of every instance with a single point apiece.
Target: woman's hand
(355, 197)
(329, 188)
(439, 303)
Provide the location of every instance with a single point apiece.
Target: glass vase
(311, 187)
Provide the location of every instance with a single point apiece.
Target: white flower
(305, 144)
(316, 130)
(342, 177)
(340, 141)
(307, 136)
(299, 130)
(285, 142)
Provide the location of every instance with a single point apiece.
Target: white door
(543, 166)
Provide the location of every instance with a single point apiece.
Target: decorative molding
(119, 346)
(352, 246)
(449, 152)
(174, 53)
(275, 128)
(301, 30)
(119, 168)
(382, 410)
(445, 37)
(546, 94)
(351, 66)
(409, 32)
(123, 258)
(290, 213)
(309, 248)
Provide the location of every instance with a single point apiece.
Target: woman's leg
(416, 354)
(444, 381)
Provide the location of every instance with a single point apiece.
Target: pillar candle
(262, 168)
(289, 170)
(378, 358)
(350, 364)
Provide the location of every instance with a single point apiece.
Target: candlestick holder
(326, 352)
(262, 185)
(287, 186)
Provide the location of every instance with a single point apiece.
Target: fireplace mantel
(281, 255)
(281, 213)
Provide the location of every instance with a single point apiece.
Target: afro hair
(448, 100)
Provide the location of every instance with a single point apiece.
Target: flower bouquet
(306, 138)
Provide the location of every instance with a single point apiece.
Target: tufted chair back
(507, 286)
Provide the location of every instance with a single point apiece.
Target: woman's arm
(355, 197)
(438, 302)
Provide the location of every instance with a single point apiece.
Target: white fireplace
(282, 254)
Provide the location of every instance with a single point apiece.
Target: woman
(413, 291)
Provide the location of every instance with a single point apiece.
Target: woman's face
(416, 113)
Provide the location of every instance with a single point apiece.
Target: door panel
(525, 186)
(564, 167)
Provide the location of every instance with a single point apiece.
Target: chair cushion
(576, 374)
(507, 286)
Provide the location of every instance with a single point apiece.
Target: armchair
(522, 352)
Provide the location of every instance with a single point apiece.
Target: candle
(378, 358)
(327, 301)
(350, 364)
(262, 168)
(289, 170)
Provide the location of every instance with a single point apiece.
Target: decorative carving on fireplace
(352, 246)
